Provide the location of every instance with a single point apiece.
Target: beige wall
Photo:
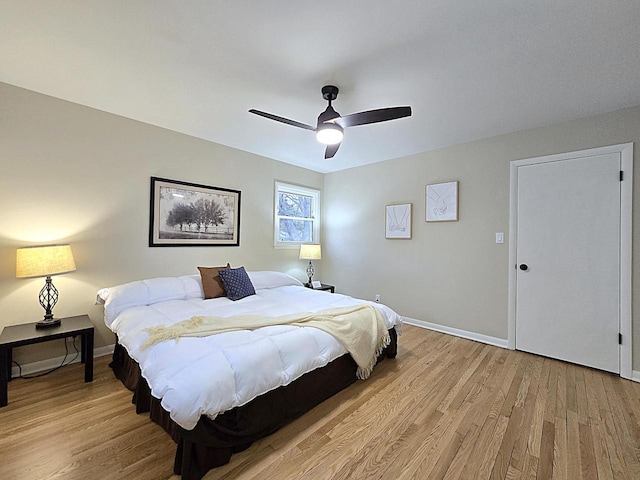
(76, 175)
(452, 274)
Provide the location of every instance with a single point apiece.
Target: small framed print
(442, 202)
(398, 221)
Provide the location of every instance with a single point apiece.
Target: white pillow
(147, 292)
(161, 289)
(269, 279)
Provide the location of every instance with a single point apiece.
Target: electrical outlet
(377, 298)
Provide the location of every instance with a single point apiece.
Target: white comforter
(210, 375)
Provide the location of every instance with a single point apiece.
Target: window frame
(315, 194)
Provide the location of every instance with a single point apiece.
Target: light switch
(500, 237)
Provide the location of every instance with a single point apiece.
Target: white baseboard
(48, 364)
(498, 342)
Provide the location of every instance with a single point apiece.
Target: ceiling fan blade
(373, 116)
(331, 150)
(283, 120)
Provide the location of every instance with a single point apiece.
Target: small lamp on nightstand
(45, 261)
(310, 252)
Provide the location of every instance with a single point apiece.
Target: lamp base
(54, 322)
(310, 272)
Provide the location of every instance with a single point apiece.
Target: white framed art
(398, 221)
(442, 202)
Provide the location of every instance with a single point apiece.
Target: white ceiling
(470, 69)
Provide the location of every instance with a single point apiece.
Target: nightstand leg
(83, 348)
(5, 369)
(87, 348)
(9, 363)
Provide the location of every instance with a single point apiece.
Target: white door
(568, 260)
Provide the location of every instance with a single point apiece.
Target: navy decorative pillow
(236, 282)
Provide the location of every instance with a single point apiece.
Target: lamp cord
(62, 364)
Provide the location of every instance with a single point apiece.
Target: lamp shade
(44, 261)
(310, 252)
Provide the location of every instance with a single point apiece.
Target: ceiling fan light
(329, 133)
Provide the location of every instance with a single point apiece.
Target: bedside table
(26, 334)
(325, 287)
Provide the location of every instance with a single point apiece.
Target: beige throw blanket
(359, 328)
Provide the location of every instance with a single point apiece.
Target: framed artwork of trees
(188, 214)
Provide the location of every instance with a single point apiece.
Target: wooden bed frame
(212, 442)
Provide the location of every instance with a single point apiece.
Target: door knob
(524, 267)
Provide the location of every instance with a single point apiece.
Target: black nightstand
(325, 287)
(27, 334)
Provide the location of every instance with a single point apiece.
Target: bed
(216, 394)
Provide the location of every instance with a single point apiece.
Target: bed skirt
(212, 442)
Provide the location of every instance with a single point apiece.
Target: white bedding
(209, 375)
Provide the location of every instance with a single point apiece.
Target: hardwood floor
(446, 408)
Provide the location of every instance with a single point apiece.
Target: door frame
(626, 209)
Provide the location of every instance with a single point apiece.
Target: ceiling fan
(330, 127)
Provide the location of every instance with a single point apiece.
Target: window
(297, 215)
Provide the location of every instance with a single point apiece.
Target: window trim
(315, 193)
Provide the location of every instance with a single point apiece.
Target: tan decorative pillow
(211, 282)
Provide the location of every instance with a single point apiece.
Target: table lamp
(310, 252)
(45, 261)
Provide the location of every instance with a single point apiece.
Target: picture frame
(441, 202)
(398, 221)
(186, 214)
